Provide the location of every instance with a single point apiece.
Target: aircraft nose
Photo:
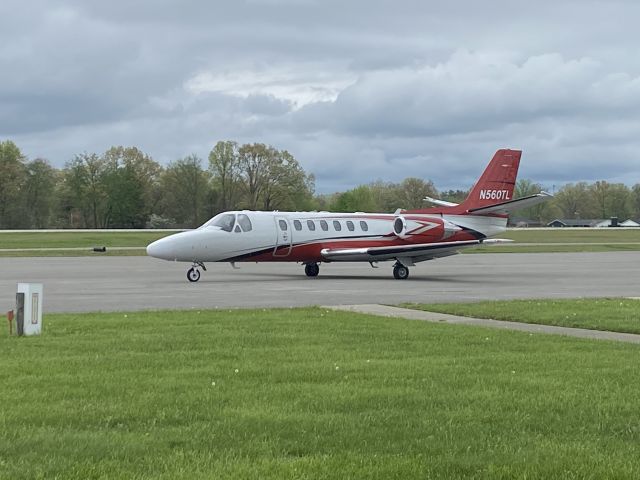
(161, 249)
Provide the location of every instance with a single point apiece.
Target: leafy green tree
(359, 199)
(321, 202)
(12, 181)
(83, 196)
(412, 192)
(131, 183)
(576, 201)
(543, 212)
(525, 188)
(454, 196)
(224, 167)
(126, 206)
(619, 201)
(118, 189)
(186, 192)
(255, 162)
(635, 201)
(286, 185)
(408, 194)
(611, 200)
(70, 195)
(600, 191)
(40, 187)
(386, 196)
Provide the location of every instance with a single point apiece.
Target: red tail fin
(495, 186)
(497, 182)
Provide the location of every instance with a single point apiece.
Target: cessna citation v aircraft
(310, 238)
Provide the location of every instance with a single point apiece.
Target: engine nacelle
(400, 226)
(424, 230)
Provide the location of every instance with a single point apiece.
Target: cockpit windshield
(224, 221)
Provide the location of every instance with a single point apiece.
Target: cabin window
(297, 225)
(323, 225)
(350, 226)
(244, 222)
(283, 225)
(224, 222)
(364, 226)
(311, 225)
(337, 226)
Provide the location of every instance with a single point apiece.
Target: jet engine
(400, 226)
(424, 230)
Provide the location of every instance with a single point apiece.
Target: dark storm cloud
(356, 90)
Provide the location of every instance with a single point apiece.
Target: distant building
(575, 223)
(630, 223)
(591, 223)
(607, 223)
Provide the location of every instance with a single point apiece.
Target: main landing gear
(400, 272)
(312, 269)
(193, 274)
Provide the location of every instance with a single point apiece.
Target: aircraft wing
(505, 208)
(411, 253)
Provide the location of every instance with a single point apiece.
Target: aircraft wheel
(312, 269)
(400, 272)
(193, 274)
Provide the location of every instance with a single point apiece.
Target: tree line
(125, 188)
(582, 200)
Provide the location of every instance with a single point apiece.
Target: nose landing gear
(193, 274)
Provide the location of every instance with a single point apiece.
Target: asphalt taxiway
(80, 284)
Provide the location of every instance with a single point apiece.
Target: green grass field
(611, 314)
(86, 239)
(308, 393)
(568, 235)
(559, 240)
(548, 241)
(584, 248)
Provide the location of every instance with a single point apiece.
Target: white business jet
(311, 238)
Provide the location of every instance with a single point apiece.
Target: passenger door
(283, 242)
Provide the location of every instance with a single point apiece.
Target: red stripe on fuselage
(310, 251)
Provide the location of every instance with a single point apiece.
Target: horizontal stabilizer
(505, 208)
(440, 203)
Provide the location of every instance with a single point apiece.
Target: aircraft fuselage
(303, 236)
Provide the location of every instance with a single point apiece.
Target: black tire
(193, 274)
(312, 269)
(400, 272)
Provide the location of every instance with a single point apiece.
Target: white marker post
(29, 299)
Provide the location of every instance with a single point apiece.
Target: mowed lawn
(565, 240)
(85, 239)
(611, 314)
(309, 393)
(572, 235)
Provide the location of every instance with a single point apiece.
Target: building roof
(630, 223)
(572, 222)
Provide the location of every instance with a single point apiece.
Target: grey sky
(356, 90)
